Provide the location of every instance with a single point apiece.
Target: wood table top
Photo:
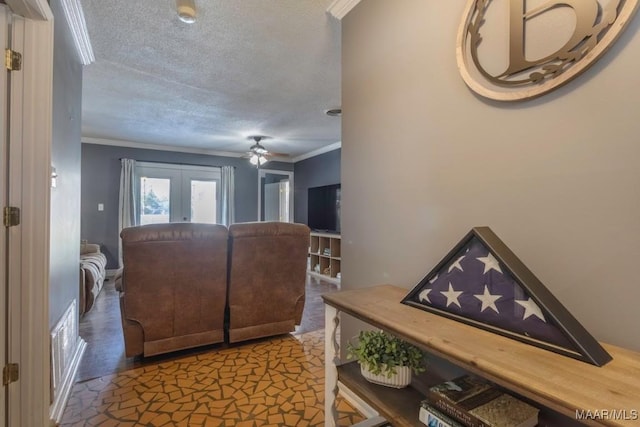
(558, 382)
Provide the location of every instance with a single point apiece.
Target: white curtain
(128, 203)
(227, 195)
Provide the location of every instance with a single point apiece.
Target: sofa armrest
(132, 332)
(119, 282)
(89, 248)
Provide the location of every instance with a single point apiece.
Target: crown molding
(31, 9)
(159, 147)
(317, 152)
(191, 150)
(339, 8)
(75, 18)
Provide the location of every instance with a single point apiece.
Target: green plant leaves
(381, 352)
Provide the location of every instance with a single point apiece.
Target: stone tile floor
(101, 328)
(274, 382)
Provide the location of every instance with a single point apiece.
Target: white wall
(424, 160)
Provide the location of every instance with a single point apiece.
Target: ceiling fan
(257, 154)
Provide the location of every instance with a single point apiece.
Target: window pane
(154, 200)
(203, 201)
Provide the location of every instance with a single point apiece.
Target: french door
(178, 193)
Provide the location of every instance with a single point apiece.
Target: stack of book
(469, 401)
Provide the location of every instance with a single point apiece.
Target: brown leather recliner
(174, 286)
(267, 274)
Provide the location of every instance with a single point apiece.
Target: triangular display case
(482, 283)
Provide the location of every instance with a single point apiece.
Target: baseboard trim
(60, 402)
(333, 280)
(363, 407)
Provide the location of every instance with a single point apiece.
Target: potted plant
(385, 359)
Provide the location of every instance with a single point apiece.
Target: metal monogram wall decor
(512, 50)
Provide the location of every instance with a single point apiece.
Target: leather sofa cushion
(174, 282)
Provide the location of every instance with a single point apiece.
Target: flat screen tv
(323, 209)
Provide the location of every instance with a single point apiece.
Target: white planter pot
(401, 379)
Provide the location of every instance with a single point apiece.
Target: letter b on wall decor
(512, 50)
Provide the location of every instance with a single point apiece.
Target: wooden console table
(550, 380)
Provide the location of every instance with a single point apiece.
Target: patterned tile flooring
(275, 382)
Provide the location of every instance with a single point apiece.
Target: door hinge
(10, 373)
(11, 216)
(12, 60)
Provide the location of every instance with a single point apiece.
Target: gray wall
(313, 172)
(101, 182)
(65, 157)
(556, 178)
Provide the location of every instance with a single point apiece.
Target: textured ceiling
(268, 67)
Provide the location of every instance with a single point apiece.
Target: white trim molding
(67, 349)
(75, 18)
(339, 8)
(262, 173)
(31, 9)
(193, 150)
(30, 178)
(56, 410)
(160, 147)
(317, 152)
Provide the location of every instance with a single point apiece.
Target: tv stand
(324, 256)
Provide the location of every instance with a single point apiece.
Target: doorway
(275, 195)
(4, 151)
(25, 179)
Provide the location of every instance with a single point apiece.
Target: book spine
(433, 418)
(454, 411)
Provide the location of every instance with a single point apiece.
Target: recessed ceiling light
(334, 112)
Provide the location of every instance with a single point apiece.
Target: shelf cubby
(324, 250)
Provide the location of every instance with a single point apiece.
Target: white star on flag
(456, 264)
(489, 263)
(424, 295)
(488, 300)
(531, 309)
(452, 296)
(482, 290)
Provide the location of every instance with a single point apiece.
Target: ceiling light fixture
(257, 153)
(186, 10)
(257, 160)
